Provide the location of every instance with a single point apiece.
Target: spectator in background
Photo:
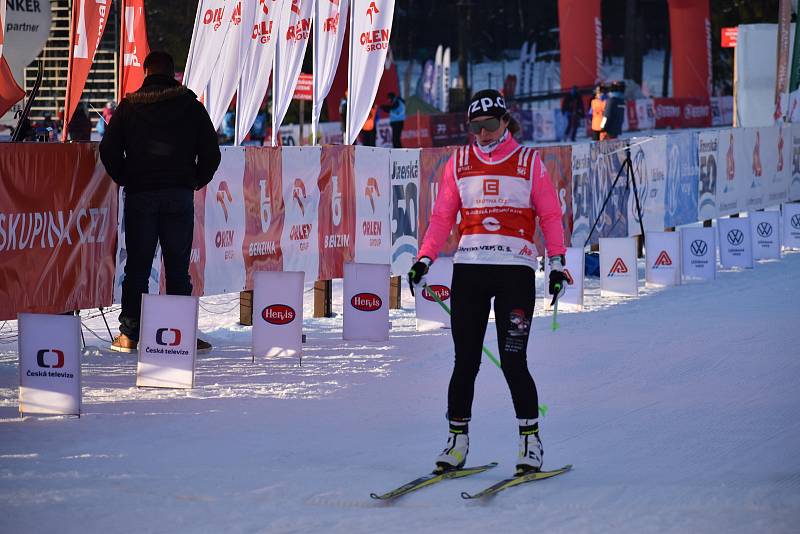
(80, 127)
(368, 131)
(614, 112)
(108, 111)
(343, 114)
(160, 146)
(572, 108)
(598, 105)
(397, 117)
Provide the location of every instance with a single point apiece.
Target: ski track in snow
(678, 410)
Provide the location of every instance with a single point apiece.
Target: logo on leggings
(520, 324)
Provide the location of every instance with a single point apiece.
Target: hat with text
(487, 103)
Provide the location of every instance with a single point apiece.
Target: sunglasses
(490, 125)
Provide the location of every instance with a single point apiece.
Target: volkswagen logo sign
(699, 247)
(796, 221)
(764, 229)
(735, 237)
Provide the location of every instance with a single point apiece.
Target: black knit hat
(487, 103)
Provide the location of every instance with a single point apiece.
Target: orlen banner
(263, 211)
(224, 225)
(581, 42)
(337, 211)
(431, 164)
(405, 208)
(134, 46)
(370, 30)
(300, 235)
(690, 37)
(211, 25)
(57, 236)
(373, 238)
(329, 30)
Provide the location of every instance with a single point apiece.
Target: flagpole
(273, 134)
(314, 77)
(121, 58)
(67, 100)
(348, 109)
(236, 113)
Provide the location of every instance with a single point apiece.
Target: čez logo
(764, 229)
(161, 339)
(735, 237)
(40, 358)
(699, 247)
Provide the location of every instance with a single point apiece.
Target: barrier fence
(312, 209)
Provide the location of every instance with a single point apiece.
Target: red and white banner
(329, 30)
(134, 46)
(257, 67)
(211, 26)
(10, 91)
(337, 211)
(729, 36)
(87, 23)
(370, 30)
(225, 76)
(678, 113)
(300, 169)
(373, 205)
(581, 42)
(304, 89)
(264, 211)
(295, 30)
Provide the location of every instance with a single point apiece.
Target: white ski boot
(454, 456)
(530, 447)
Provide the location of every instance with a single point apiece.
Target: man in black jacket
(160, 146)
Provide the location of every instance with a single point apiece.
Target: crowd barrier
(312, 209)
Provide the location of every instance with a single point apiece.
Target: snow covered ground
(679, 410)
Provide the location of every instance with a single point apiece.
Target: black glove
(558, 279)
(417, 271)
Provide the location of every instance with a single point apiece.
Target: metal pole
(349, 108)
(274, 133)
(314, 77)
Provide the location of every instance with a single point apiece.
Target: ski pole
(542, 407)
(555, 307)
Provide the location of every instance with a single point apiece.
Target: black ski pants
(513, 288)
(165, 216)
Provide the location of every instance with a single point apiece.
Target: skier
(500, 188)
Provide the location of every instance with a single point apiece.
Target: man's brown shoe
(123, 343)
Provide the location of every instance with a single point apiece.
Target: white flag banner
(778, 188)
(573, 292)
(649, 158)
(373, 205)
(257, 66)
(445, 98)
(663, 261)
(331, 17)
(293, 34)
(225, 76)
(791, 225)
(437, 78)
(366, 302)
(211, 26)
(370, 30)
(430, 314)
(699, 254)
(300, 236)
(765, 227)
(619, 274)
(735, 243)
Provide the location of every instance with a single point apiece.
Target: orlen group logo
(214, 16)
(372, 189)
(224, 197)
(299, 194)
(45, 360)
(367, 302)
(278, 314)
(168, 337)
(374, 40)
(619, 267)
(443, 292)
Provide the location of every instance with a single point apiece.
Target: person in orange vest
(368, 132)
(598, 105)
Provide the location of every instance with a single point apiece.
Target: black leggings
(513, 288)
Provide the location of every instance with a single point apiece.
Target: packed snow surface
(679, 410)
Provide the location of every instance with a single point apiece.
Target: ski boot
(530, 447)
(454, 456)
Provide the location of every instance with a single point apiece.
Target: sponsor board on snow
(791, 225)
(619, 274)
(429, 313)
(699, 253)
(366, 297)
(574, 271)
(278, 313)
(765, 229)
(735, 242)
(662, 258)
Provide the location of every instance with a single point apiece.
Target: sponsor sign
(619, 274)
(211, 26)
(366, 302)
(735, 243)
(648, 156)
(791, 225)
(573, 294)
(699, 253)
(582, 194)
(404, 178)
(277, 314)
(682, 179)
(167, 341)
(765, 229)
(708, 157)
(729, 36)
(304, 88)
(373, 197)
(430, 314)
(301, 197)
(49, 364)
(662, 258)
(337, 211)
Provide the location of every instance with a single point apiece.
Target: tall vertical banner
(87, 23)
(663, 258)
(619, 274)
(337, 210)
(370, 30)
(224, 225)
(765, 228)
(735, 243)
(49, 364)
(762, 167)
(366, 302)
(211, 24)
(277, 314)
(574, 269)
(558, 162)
(405, 208)
(263, 210)
(708, 158)
(430, 313)
(294, 32)
(582, 194)
(649, 158)
(197, 258)
(257, 66)
(782, 72)
(778, 188)
(699, 253)
(682, 179)
(690, 39)
(300, 169)
(134, 46)
(791, 225)
(431, 164)
(728, 196)
(581, 39)
(445, 98)
(437, 78)
(226, 73)
(605, 161)
(373, 197)
(329, 30)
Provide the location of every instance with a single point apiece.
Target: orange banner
(133, 46)
(431, 168)
(58, 229)
(690, 38)
(337, 210)
(581, 39)
(264, 211)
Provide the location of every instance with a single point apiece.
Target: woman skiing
(500, 188)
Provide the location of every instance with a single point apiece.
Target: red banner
(690, 37)
(304, 90)
(729, 36)
(682, 112)
(432, 163)
(581, 39)
(87, 23)
(263, 201)
(57, 236)
(417, 131)
(337, 210)
(133, 46)
(10, 91)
